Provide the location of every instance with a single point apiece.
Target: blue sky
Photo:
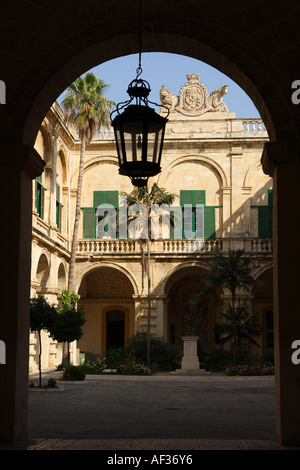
(170, 70)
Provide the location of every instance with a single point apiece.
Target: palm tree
(88, 110)
(156, 196)
(247, 326)
(232, 272)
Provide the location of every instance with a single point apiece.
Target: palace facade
(211, 158)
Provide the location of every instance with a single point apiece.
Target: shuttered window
(39, 196)
(193, 198)
(90, 218)
(265, 218)
(59, 207)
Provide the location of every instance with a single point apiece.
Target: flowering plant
(133, 368)
(244, 369)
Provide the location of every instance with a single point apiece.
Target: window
(194, 198)
(95, 226)
(59, 207)
(39, 196)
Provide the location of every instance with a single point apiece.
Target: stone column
(282, 162)
(19, 165)
(53, 181)
(236, 154)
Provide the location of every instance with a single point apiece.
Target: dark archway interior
(236, 38)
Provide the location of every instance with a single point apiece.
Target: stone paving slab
(190, 445)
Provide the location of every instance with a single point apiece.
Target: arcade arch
(107, 294)
(184, 288)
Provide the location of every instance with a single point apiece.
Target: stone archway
(232, 38)
(184, 286)
(107, 294)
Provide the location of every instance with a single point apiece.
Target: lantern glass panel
(154, 143)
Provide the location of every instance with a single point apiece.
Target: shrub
(115, 357)
(218, 360)
(94, 367)
(163, 356)
(266, 369)
(76, 373)
(51, 383)
(133, 368)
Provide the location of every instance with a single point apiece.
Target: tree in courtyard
(149, 199)
(247, 326)
(88, 110)
(42, 316)
(232, 272)
(68, 322)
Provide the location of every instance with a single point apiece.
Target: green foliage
(265, 369)
(94, 367)
(69, 320)
(232, 272)
(42, 315)
(246, 326)
(86, 106)
(164, 357)
(74, 373)
(114, 357)
(51, 383)
(218, 360)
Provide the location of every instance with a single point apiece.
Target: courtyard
(115, 412)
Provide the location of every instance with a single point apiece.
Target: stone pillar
(19, 165)
(236, 154)
(282, 162)
(53, 183)
(190, 359)
(226, 202)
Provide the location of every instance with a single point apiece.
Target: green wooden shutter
(106, 197)
(39, 196)
(270, 197)
(186, 197)
(209, 222)
(198, 197)
(264, 222)
(59, 207)
(88, 222)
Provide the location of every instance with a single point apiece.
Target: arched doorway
(106, 294)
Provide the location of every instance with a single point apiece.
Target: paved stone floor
(158, 413)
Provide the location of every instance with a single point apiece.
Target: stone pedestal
(190, 359)
(190, 363)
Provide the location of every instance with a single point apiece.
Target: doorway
(115, 329)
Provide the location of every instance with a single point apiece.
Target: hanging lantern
(139, 133)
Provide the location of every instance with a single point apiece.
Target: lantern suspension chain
(139, 69)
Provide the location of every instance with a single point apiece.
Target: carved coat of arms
(194, 98)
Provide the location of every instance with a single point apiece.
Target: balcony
(102, 247)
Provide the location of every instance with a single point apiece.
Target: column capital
(279, 153)
(22, 157)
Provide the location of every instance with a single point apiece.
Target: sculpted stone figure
(167, 98)
(215, 99)
(193, 99)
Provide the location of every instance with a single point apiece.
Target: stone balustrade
(169, 247)
(233, 127)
